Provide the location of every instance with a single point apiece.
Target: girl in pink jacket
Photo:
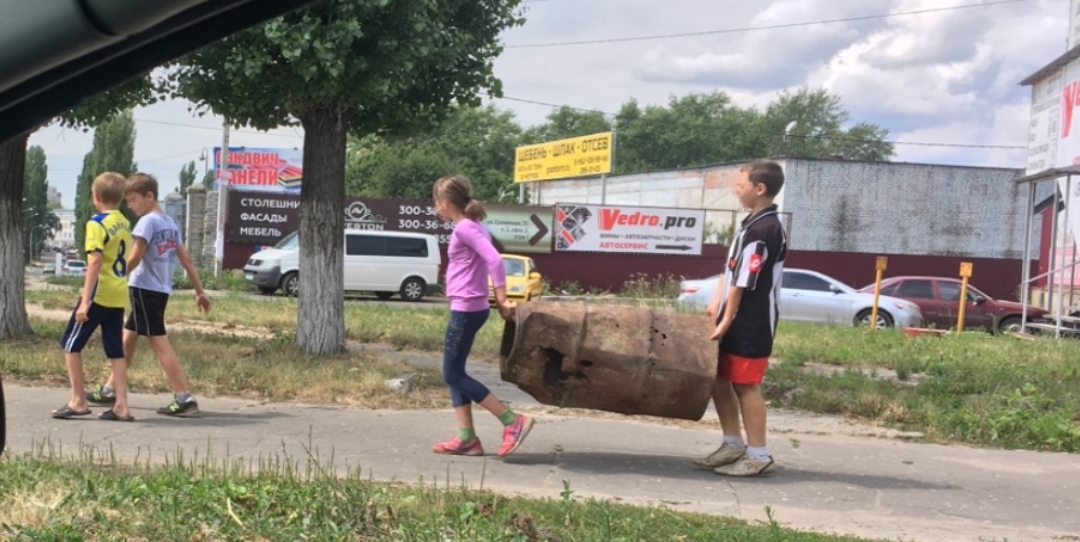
(472, 259)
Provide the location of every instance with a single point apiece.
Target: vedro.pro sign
(617, 228)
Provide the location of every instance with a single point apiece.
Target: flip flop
(66, 412)
(111, 416)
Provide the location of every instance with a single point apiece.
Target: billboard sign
(616, 228)
(264, 218)
(261, 169)
(1044, 126)
(575, 157)
(520, 228)
(1069, 144)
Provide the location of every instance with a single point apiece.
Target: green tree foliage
(39, 222)
(689, 131)
(819, 131)
(476, 142)
(347, 66)
(113, 150)
(187, 177)
(142, 90)
(694, 130)
(566, 122)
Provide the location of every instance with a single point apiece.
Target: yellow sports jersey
(110, 234)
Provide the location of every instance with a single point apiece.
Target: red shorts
(740, 370)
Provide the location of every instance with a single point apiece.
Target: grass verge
(232, 280)
(406, 328)
(218, 364)
(49, 498)
(973, 388)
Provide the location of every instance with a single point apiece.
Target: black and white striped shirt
(755, 264)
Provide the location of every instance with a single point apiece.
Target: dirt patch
(876, 373)
(37, 311)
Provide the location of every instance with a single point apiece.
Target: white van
(383, 262)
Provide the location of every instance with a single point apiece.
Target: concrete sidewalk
(828, 480)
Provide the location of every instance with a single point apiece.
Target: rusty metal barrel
(619, 359)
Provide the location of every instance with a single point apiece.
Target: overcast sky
(937, 77)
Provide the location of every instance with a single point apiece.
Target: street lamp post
(30, 246)
(29, 252)
(204, 156)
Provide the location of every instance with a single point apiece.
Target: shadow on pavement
(208, 419)
(666, 466)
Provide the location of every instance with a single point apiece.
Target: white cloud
(761, 59)
(996, 130)
(941, 77)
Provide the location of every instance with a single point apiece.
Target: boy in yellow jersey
(104, 298)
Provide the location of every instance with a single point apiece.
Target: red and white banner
(617, 228)
(262, 169)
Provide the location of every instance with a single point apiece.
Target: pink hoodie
(472, 259)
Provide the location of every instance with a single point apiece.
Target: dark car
(939, 300)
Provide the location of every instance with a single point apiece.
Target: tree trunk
(13, 320)
(321, 307)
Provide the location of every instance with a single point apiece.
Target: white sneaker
(747, 466)
(722, 456)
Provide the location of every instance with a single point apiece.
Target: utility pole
(223, 189)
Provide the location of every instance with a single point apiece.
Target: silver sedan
(809, 296)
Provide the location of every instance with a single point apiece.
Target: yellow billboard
(574, 157)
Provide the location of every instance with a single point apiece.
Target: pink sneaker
(514, 434)
(455, 446)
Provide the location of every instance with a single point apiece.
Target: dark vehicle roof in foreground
(56, 53)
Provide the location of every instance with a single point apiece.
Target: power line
(534, 102)
(754, 28)
(188, 153)
(139, 161)
(194, 126)
(834, 138)
(171, 157)
(216, 129)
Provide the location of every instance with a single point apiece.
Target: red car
(939, 300)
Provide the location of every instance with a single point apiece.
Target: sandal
(111, 416)
(66, 412)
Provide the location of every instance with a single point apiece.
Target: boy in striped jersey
(746, 308)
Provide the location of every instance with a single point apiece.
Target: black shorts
(147, 315)
(111, 321)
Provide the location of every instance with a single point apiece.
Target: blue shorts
(111, 321)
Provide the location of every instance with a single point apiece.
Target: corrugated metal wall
(873, 207)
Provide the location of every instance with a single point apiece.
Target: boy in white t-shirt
(158, 244)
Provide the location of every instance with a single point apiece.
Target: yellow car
(522, 279)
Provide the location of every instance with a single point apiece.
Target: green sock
(466, 434)
(507, 417)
